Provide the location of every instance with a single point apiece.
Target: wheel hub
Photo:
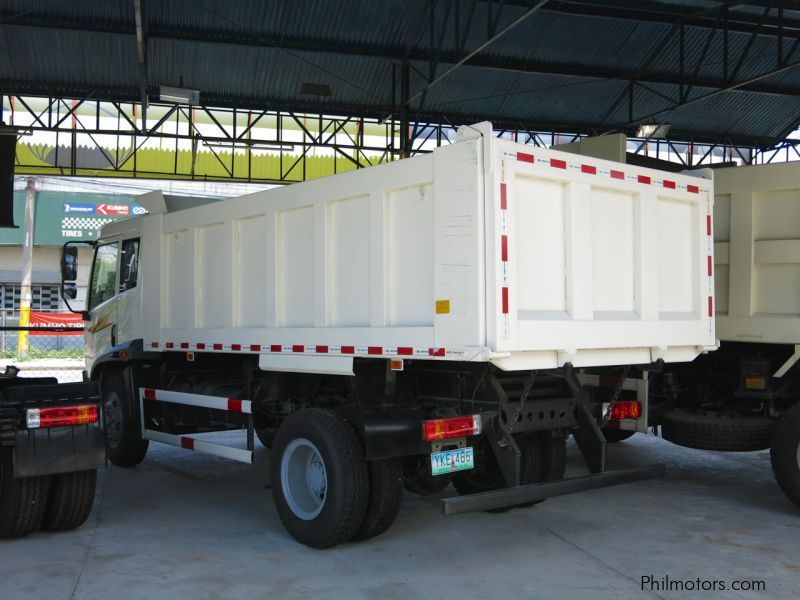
(304, 479)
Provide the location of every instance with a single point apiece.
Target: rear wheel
(785, 454)
(418, 479)
(22, 501)
(70, 500)
(124, 444)
(385, 497)
(554, 455)
(487, 475)
(319, 478)
(727, 430)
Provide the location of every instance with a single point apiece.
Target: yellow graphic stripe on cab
(103, 322)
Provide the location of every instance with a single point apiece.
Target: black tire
(70, 500)
(615, 436)
(345, 495)
(487, 476)
(554, 455)
(717, 430)
(785, 454)
(385, 497)
(124, 444)
(22, 501)
(418, 479)
(266, 436)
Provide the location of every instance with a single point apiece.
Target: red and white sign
(120, 210)
(47, 319)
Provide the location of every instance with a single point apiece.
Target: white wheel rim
(304, 479)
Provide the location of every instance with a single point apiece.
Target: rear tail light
(453, 427)
(62, 416)
(622, 410)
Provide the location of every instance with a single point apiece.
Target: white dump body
(757, 253)
(482, 250)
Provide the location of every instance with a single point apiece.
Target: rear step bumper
(541, 491)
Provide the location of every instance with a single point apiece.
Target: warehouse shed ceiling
(715, 71)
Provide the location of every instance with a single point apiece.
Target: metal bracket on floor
(540, 491)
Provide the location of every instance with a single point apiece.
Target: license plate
(451, 461)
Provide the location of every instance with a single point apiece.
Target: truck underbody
(504, 432)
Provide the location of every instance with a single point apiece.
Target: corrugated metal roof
(569, 65)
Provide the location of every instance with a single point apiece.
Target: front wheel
(124, 444)
(785, 454)
(319, 478)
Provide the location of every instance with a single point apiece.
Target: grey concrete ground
(184, 525)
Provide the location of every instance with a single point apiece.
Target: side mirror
(69, 290)
(69, 264)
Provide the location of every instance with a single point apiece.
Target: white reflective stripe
(237, 454)
(199, 400)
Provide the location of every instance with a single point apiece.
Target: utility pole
(27, 270)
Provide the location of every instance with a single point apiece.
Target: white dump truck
(427, 321)
(745, 396)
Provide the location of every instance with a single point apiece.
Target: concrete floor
(184, 525)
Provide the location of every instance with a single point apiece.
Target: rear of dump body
(757, 253)
(484, 250)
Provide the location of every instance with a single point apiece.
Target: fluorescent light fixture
(653, 130)
(254, 145)
(167, 93)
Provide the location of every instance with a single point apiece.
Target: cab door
(102, 301)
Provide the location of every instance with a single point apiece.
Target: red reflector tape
(149, 394)
(693, 189)
(184, 345)
(298, 348)
(643, 179)
(617, 174)
(405, 351)
(710, 306)
(708, 224)
(589, 169)
(623, 410)
(62, 416)
(322, 349)
(504, 248)
(236, 347)
(441, 429)
(436, 352)
(503, 197)
(505, 300)
(217, 346)
(234, 405)
(275, 348)
(187, 443)
(169, 344)
(524, 157)
(558, 163)
(201, 346)
(710, 265)
(375, 350)
(348, 349)
(255, 347)
(154, 344)
(669, 184)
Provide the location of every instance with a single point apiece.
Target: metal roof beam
(500, 122)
